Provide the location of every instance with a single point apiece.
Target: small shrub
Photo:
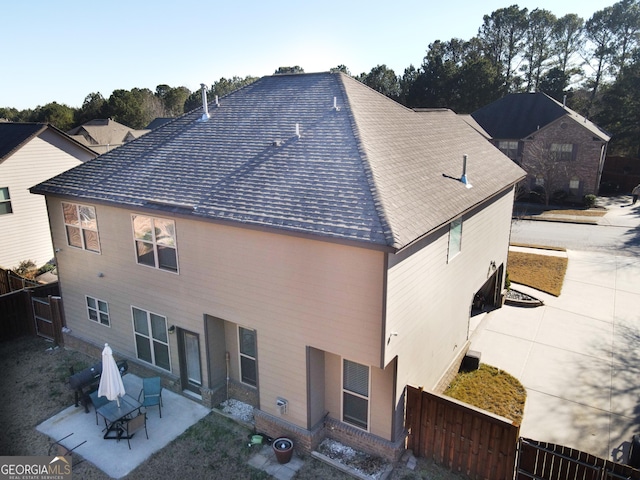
(589, 200)
(26, 269)
(47, 267)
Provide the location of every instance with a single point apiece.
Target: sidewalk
(619, 213)
(576, 355)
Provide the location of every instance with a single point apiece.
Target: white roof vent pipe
(298, 130)
(217, 102)
(464, 178)
(205, 107)
(335, 104)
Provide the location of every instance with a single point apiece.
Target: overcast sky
(63, 50)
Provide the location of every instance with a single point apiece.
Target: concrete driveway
(577, 355)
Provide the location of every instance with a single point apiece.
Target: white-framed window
(155, 242)
(562, 151)
(509, 148)
(5, 201)
(248, 356)
(81, 226)
(98, 311)
(151, 338)
(455, 238)
(574, 183)
(355, 394)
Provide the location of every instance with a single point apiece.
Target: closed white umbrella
(111, 385)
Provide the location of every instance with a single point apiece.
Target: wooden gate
(546, 461)
(47, 314)
(460, 437)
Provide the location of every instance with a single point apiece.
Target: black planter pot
(283, 448)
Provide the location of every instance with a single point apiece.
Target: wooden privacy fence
(32, 311)
(460, 437)
(483, 446)
(11, 282)
(546, 461)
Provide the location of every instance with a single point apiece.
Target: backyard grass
(490, 389)
(583, 213)
(542, 272)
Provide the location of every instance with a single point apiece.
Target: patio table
(114, 415)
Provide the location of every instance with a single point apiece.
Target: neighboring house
(158, 122)
(558, 148)
(103, 134)
(30, 153)
(305, 246)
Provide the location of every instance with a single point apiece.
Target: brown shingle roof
(371, 171)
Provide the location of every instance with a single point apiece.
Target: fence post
(55, 309)
(417, 422)
(31, 318)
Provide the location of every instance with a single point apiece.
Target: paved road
(623, 240)
(577, 355)
(617, 231)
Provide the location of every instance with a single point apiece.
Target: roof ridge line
(366, 166)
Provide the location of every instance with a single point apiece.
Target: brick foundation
(305, 441)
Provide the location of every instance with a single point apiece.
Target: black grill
(86, 381)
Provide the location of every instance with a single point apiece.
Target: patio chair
(97, 402)
(134, 424)
(151, 393)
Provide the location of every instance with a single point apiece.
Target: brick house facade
(560, 150)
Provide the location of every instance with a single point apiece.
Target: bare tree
(551, 164)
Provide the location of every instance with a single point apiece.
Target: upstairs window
(155, 240)
(248, 356)
(562, 152)
(455, 238)
(355, 394)
(5, 201)
(81, 226)
(509, 148)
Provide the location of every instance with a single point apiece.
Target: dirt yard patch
(34, 386)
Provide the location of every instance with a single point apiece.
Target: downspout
(228, 359)
(603, 156)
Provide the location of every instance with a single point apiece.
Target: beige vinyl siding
(429, 300)
(25, 232)
(381, 387)
(277, 285)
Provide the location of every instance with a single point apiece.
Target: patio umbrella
(111, 385)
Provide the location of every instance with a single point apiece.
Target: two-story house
(304, 244)
(104, 134)
(560, 149)
(30, 153)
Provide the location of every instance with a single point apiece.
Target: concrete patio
(114, 457)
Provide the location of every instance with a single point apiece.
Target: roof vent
(335, 104)
(205, 107)
(298, 130)
(464, 178)
(217, 102)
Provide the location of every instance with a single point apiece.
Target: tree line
(593, 65)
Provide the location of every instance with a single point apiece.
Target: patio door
(190, 368)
